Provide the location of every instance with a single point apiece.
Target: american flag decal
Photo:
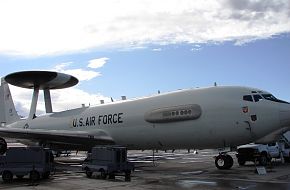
(245, 109)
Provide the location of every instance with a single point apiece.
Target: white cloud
(157, 49)
(61, 99)
(62, 66)
(80, 74)
(97, 63)
(22, 99)
(72, 98)
(196, 47)
(34, 28)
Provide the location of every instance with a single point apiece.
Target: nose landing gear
(224, 161)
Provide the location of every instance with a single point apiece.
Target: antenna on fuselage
(41, 80)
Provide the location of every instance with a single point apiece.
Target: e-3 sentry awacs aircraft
(214, 117)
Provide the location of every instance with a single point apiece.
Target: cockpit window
(248, 98)
(257, 98)
(273, 98)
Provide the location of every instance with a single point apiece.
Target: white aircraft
(213, 117)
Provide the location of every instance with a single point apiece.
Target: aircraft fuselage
(197, 118)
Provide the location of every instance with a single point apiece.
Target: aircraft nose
(285, 118)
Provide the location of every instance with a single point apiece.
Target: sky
(137, 48)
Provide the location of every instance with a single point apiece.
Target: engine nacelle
(3, 146)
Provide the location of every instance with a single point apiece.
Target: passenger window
(248, 98)
(257, 98)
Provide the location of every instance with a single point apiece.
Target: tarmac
(170, 171)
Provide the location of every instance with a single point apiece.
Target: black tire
(224, 162)
(287, 159)
(220, 162)
(229, 161)
(128, 176)
(241, 161)
(103, 174)
(34, 175)
(7, 176)
(19, 176)
(112, 176)
(89, 173)
(263, 160)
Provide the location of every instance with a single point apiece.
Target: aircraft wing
(63, 138)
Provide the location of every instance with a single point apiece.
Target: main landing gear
(224, 161)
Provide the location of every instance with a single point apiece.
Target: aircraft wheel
(3, 146)
(263, 160)
(7, 176)
(230, 161)
(241, 161)
(224, 162)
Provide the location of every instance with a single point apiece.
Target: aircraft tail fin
(8, 112)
